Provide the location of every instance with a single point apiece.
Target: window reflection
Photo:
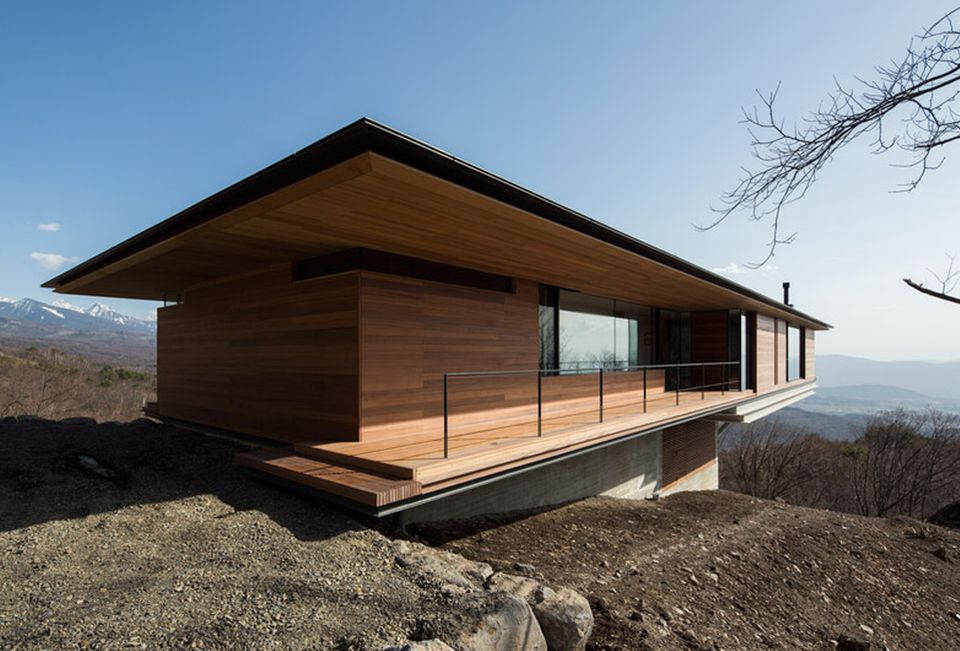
(794, 338)
(597, 332)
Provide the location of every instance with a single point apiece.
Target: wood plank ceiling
(378, 203)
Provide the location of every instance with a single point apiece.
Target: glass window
(580, 331)
(794, 341)
(548, 328)
(588, 332)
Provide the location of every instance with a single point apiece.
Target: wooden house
(405, 330)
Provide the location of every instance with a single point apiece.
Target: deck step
(351, 483)
(323, 452)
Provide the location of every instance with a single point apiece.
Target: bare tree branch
(917, 94)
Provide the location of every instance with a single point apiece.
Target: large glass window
(740, 328)
(580, 331)
(794, 342)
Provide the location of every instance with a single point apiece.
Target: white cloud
(51, 227)
(51, 260)
(736, 269)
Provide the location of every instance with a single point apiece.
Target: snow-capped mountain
(27, 317)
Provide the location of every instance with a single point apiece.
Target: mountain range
(99, 332)
(850, 389)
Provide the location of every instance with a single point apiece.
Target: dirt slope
(722, 570)
(180, 549)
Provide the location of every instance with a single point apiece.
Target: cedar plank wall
(263, 355)
(686, 448)
(413, 331)
(809, 350)
(765, 354)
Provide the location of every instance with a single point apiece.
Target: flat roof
(366, 135)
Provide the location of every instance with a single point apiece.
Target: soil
(720, 570)
(140, 536)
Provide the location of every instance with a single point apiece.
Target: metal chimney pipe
(786, 295)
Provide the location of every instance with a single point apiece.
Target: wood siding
(765, 353)
(413, 331)
(810, 355)
(265, 356)
(686, 448)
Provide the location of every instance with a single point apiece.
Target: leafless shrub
(772, 459)
(902, 460)
(52, 384)
(901, 463)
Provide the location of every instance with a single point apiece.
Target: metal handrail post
(644, 390)
(703, 382)
(723, 385)
(678, 384)
(539, 403)
(601, 394)
(446, 421)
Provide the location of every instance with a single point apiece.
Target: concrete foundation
(630, 469)
(704, 478)
(679, 458)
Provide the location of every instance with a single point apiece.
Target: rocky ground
(167, 545)
(141, 536)
(721, 570)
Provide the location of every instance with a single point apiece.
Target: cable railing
(600, 371)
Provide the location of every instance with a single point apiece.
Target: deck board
(419, 456)
(357, 485)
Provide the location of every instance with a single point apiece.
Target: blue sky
(117, 115)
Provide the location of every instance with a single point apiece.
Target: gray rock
(565, 619)
(849, 643)
(530, 590)
(426, 645)
(525, 569)
(444, 567)
(498, 621)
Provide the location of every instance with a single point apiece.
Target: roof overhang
(367, 185)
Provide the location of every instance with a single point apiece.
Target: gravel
(719, 570)
(164, 543)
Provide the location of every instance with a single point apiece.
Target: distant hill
(98, 333)
(937, 379)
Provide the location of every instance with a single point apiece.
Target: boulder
(565, 619)
(530, 590)
(948, 516)
(443, 567)
(497, 621)
(425, 645)
(850, 643)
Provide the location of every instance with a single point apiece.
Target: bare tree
(902, 460)
(770, 459)
(948, 282)
(917, 94)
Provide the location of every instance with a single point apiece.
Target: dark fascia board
(366, 135)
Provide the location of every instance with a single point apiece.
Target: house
(411, 333)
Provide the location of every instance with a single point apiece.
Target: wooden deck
(381, 472)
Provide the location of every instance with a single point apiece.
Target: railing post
(601, 394)
(644, 390)
(703, 382)
(723, 385)
(678, 384)
(539, 403)
(446, 421)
